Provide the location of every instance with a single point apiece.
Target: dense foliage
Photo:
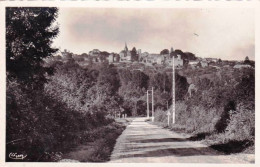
(222, 108)
(29, 34)
(48, 107)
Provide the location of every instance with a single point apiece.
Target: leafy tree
(117, 57)
(84, 54)
(245, 90)
(189, 56)
(225, 116)
(70, 84)
(164, 52)
(103, 56)
(134, 54)
(181, 86)
(132, 93)
(109, 76)
(141, 107)
(139, 79)
(125, 76)
(29, 34)
(247, 61)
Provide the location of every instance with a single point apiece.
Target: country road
(143, 142)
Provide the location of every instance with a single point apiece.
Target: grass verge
(98, 144)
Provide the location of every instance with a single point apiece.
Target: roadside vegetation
(52, 108)
(221, 112)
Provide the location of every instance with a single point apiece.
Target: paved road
(143, 142)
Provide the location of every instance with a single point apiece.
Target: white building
(193, 63)
(240, 66)
(160, 59)
(111, 58)
(204, 63)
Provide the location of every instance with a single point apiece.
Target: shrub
(201, 120)
(160, 116)
(241, 125)
(225, 117)
(181, 112)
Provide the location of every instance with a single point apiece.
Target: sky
(210, 32)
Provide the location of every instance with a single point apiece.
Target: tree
(84, 55)
(70, 84)
(133, 94)
(29, 34)
(247, 61)
(139, 79)
(245, 90)
(108, 76)
(117, 58)
(181, 86)
(104, 55)
(125, 76)
(164, 52)
(134, 54)
(189, 56)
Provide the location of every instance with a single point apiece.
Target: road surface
(143, 142)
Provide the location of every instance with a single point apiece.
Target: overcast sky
(221, 33)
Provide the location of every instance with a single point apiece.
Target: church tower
(172, 50)
(126, 49)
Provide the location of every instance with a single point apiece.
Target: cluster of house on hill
(202, 62)
(148, 59)
(160, 59)
(96, 56)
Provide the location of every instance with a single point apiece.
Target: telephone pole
(147, 103)
(152, 106)
(173, 91)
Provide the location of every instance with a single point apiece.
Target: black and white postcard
(128, 82)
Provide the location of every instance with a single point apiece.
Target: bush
(181, 112)
(241, 125)
(160, 116)
(225, 117)
(201, 120)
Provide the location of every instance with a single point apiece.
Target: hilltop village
(138, 60)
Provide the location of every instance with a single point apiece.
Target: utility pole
(152, 106)
(173, 91)
(148, 104)
(168, 116)
(164, 83)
